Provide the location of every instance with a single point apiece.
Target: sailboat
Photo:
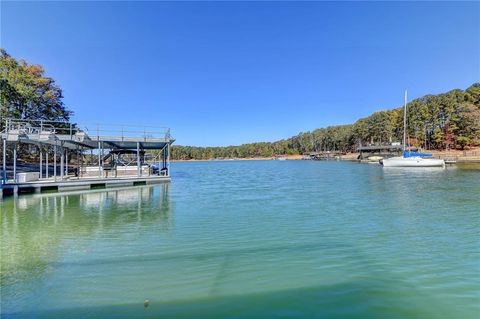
(411, 159)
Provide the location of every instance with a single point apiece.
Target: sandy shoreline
(287, 157)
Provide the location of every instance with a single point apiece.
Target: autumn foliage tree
(448, 120)
(27, 93)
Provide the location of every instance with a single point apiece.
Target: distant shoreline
(470, 156)
(291, 158)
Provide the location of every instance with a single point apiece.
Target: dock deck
(51, 185)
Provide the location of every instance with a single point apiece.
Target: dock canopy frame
(66, 140)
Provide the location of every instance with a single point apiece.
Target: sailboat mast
(405, 123)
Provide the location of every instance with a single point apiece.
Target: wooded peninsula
(445, 121)
(449, 120)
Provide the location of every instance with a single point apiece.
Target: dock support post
(66, 163)
(15, 163)
(168, 159)
(139, 169)
(46, 164)
(164, 159)
(81, 162)
(102, 152)
(4, 161)
(40, 166)
(78, 162)
(62, 163)
(159, 169)
(99, 161)
(55, 161)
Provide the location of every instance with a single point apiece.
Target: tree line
(448, 120)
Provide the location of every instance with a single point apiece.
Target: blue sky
(223, 73)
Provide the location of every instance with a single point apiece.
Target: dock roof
(372, 148)
(70, 136)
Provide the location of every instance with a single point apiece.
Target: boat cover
(414, 154)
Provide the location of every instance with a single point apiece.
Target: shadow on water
(373, 297)
(377, 293)
(34, 226)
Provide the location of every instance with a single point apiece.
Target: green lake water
(243, 239)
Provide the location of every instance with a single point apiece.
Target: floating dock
(324, 155)
(70, 158)
(80, 184)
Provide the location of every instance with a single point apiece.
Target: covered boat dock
(381, 150)
(70, 158)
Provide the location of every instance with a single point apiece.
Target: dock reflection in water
(37, 229)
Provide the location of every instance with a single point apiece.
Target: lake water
(242, 239)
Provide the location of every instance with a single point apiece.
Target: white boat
(411, 159)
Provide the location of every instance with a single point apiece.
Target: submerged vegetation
(448, 120)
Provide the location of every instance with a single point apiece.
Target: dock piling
(62, 163)
(46, 164)
(55, 161)
(66, 163)
(40, 166)
(168, 159)
(99, 159)
(15, 162)
(4, 160)
(139, 169)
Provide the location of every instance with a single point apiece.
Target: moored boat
(411, 159)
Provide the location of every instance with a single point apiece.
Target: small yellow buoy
(145, 303)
